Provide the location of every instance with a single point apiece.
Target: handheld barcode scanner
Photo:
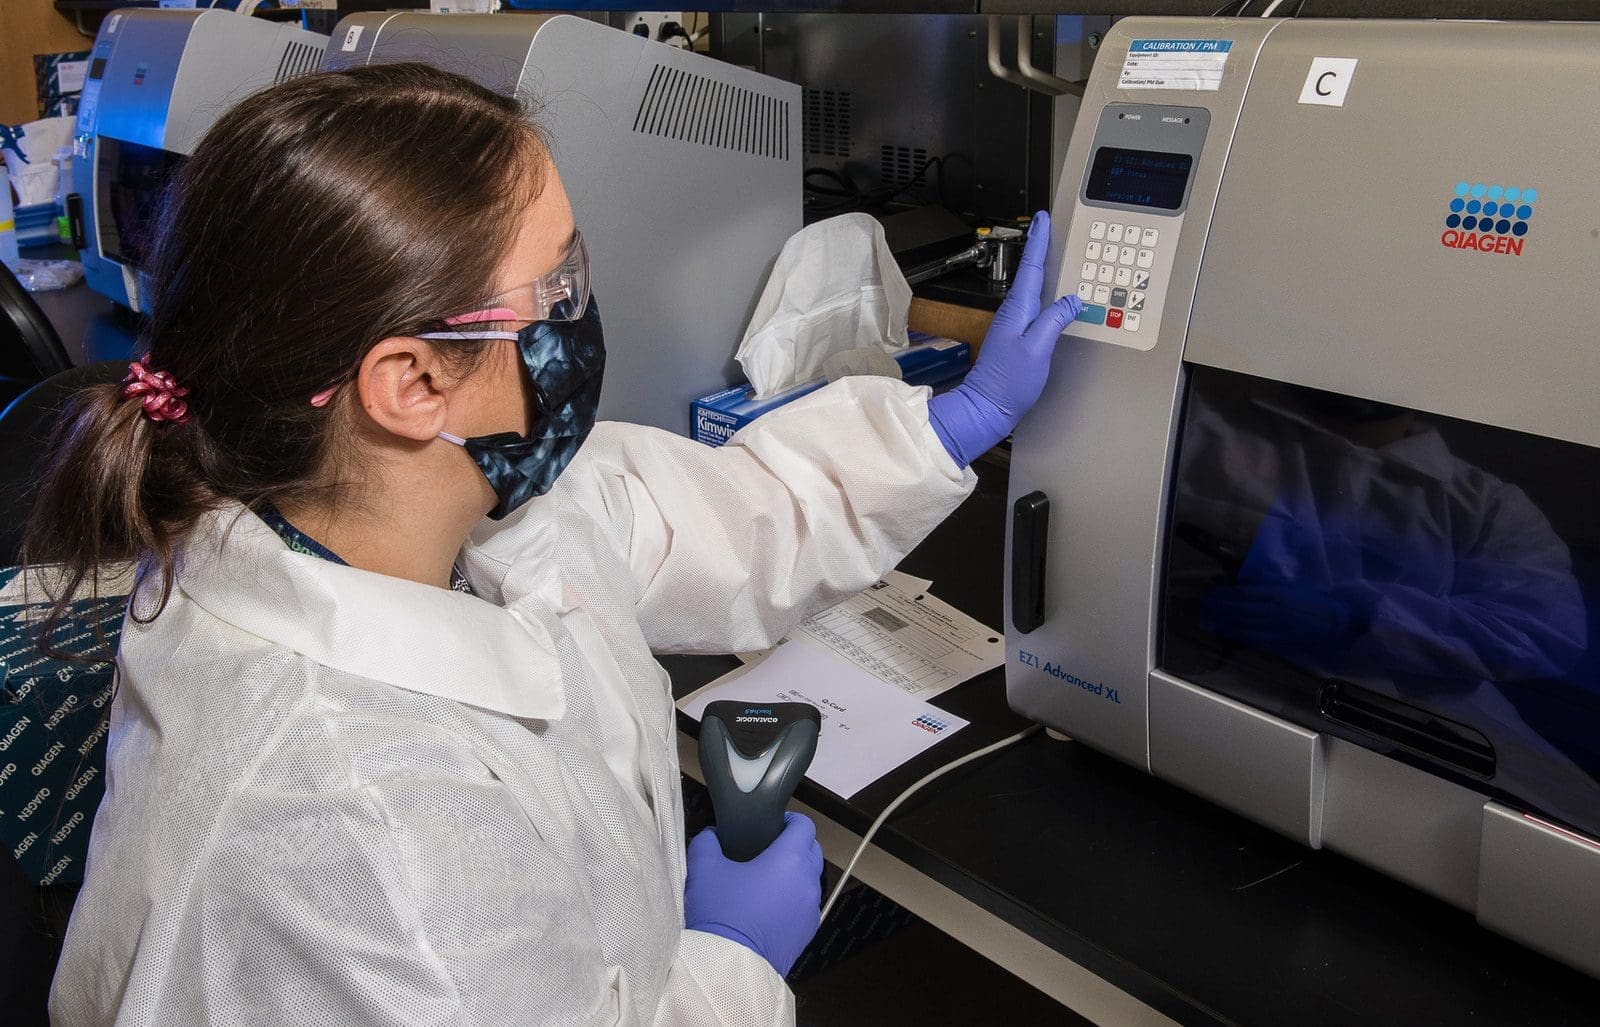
(753, 755)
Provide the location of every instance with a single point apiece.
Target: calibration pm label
(1189, 64)
(1055, 670)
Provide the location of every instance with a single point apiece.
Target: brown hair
(315, 219)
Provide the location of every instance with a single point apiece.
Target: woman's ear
(402, 388)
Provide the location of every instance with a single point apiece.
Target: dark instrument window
(132, 185)
(1424, 586)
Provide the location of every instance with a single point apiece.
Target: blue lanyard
(300, 542)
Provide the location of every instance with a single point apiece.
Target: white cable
(866, 839)
(1271, 7)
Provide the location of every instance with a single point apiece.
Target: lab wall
(29, 27)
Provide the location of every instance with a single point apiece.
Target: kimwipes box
(930, 361)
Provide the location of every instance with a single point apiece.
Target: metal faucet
(995, 249)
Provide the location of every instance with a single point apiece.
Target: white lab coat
(341, 798)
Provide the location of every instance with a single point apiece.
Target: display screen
(1140, 178)
(1423, 586)
(97, 68)
(132, 183)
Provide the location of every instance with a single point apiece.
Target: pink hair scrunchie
(161, 397)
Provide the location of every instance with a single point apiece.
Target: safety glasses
(560, 295)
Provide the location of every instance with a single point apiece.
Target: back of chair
(30, 349)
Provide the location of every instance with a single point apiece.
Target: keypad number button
(1114, 233)
(1124, 276)
(1130, 234)
(1097, 230)
(1093, 252)
(1085, 291)
(1126, 255)
(1089, 270)
(1105, 274)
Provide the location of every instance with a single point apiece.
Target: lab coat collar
(424, 639)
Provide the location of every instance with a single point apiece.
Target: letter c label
(1328, 81)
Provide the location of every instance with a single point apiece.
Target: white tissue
(32, 173)
(835, 288)
(868, 360)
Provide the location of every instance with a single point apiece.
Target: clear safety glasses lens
(561, 295)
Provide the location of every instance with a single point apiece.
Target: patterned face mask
(565, 361)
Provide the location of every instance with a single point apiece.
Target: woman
(374, 758)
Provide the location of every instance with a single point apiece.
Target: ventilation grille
(681, 105)
(827, 122)
(298, 59)
(901, 165)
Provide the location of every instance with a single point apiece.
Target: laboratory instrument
(1302, 521)
(157, 80)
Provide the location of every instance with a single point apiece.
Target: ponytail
(117, 489)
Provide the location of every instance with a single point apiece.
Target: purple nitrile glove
(770, 905)
(1013, 364)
